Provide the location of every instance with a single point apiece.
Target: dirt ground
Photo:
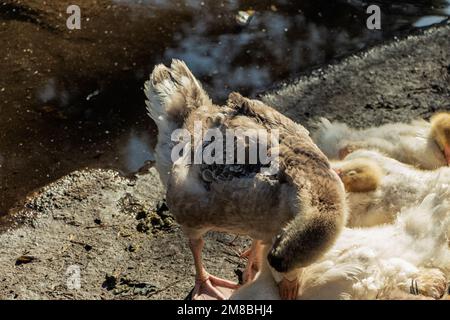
(403, 80)
(116, 230)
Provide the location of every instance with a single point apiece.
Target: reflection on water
(429, 20)
(136, 150)
(78, 101)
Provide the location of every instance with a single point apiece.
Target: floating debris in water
(243, 18)
(93, 94)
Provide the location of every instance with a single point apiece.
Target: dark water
(96, 118)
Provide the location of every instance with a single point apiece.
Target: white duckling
(379, 187)
(409, 259)
(297, 211)
(420, 143)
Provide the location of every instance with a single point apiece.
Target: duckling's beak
(447, 153)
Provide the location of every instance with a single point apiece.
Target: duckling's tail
(330, 137)
(172, 93)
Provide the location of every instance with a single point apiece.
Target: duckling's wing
(263, 115)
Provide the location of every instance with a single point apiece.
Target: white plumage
(399, 186)
(420, 143)
(385, 262)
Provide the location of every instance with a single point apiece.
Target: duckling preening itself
(409, 259)
(297, 211)
(420, 143)
(379, 187)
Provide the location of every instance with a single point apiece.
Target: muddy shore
(116, 230)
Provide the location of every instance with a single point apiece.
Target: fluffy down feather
(420, 143)
(386, 186)
(384, 262)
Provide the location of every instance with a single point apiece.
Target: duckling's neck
(368, 185)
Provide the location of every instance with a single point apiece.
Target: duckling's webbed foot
(208, 287)
(289, 288)
(213, 288)
(254, 257)
(429, 282)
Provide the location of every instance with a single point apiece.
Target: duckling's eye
(447, 133)
(352, 173)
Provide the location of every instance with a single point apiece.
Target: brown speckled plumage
(300, 210)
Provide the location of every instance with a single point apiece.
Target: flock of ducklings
(389, 168)
(397, 182)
